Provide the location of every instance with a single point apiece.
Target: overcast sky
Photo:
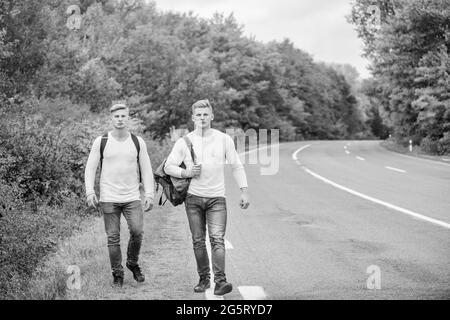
(318, 27)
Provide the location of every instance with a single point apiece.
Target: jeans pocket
(107, 207)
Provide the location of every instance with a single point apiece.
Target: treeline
(161, 62)
(408, 45)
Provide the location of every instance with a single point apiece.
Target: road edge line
(369, 198)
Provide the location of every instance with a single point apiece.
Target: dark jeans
(203, 211)
(134, 215)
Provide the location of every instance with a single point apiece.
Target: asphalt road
(335, 214)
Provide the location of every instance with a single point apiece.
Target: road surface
(341, 220)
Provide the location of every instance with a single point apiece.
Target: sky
(318, 27)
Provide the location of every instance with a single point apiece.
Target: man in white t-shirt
(119, 189)
(205, 203)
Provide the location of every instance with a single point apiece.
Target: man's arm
(232, 157)
(91, 168)
(146, 170)
(174, 160)
(146, 174)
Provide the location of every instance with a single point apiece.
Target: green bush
(26, 237)
(444, 144)
(437, 147)
(45, 147)
(428, 145)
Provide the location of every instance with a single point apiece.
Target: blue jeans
(134, 215)
(203, 211)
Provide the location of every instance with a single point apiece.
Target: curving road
(335, 214)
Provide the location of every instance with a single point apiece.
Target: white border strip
(383, 203)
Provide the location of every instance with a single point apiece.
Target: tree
(408, 59)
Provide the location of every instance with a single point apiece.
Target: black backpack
(136, 144)
(174, 189)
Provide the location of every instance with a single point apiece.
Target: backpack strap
(191, 148)
(102, 148)
(138, 148)
(136, 144)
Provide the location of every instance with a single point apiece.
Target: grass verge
(166, 259)
(416, 150)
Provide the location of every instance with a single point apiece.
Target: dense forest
(63, 62)
(160, 62)
(408, 45)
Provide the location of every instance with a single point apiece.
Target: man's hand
(148, 204)
(245, 201)
(193, 172)
(92, 200)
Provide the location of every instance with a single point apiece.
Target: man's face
(120, 118)
(202, 118)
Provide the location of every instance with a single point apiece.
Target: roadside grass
(416, 150)
(166, 259)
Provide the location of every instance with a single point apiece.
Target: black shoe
(118, 281)
(222, 288)
(137, 274)
(202, 285)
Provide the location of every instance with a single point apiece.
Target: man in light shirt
(205, 203)
(119, 189)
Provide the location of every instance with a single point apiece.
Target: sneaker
(222, 288)
(202, 285)
(118, 281)
(137, 274)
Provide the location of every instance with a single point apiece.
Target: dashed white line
(209, 294)
(347, 152)
(445, 159)
(421, 159)
(395, 169)
(252, 293)
(383, 203)
(360, 158)
(228, 244)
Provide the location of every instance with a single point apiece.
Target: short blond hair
(201, 104)
(118, 106)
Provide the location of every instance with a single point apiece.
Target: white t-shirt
(119, 180)
(212, 152)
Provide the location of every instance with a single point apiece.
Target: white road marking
(347, 152)
(209, 294)
(421, 159)
(252, 293)
(228, 244)
(395, 169)
(294, 155)
(345, 147)
(445, 159)
(360, 158)
(383, 203)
